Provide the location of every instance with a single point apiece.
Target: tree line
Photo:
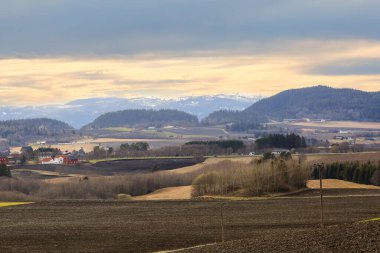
(234, 145)
(288, 141)
(362, 173)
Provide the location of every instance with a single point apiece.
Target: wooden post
(321, 166)
(222, 221)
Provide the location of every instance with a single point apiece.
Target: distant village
(41, 155)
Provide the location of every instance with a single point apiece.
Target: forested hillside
(19, 132)
(234, 119)
(319, 102)
(143, 118)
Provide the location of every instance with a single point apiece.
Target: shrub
(5, 171)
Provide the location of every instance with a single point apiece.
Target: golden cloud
(56, 80)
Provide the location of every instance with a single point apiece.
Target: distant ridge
(18, 132)
(143, 118)
(319, 102)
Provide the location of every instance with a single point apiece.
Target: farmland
(174, 193)
(89, 144)
(344, 238)
(108, 167)
(173, 221)
(340, 124)
(4, 204)
(338, 184)
(112, 226)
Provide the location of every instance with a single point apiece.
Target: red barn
(4, 160)
(69, 160)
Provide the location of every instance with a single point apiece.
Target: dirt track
(111, 226)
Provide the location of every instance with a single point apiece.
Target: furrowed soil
(149, 226)
(344, 238)
(109, 168)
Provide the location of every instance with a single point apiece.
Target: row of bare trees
(141, 149)
(100, 187)
(252, 179)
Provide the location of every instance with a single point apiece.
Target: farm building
(15, 158)
(4, 160)
(60, 159)
(280, 151)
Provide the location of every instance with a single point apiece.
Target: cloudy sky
(52, 51)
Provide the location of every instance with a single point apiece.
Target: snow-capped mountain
(83, 111)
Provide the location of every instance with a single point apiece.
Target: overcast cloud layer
(144, 47)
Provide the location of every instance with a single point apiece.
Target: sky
(54, 51)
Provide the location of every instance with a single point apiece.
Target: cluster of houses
(342, 138)
(304, 120)
(50, 156)
(42, 155)
(65, 159)
(10, 159)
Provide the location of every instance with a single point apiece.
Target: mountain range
(81, 112)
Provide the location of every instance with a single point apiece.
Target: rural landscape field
(98, 226)
(189, 126)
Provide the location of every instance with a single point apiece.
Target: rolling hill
(143, 118)
(318, 102)
(19, 132)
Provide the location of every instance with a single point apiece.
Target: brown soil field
(174, 193)
(362, 157)
(338, 184)
(149, 226)
(109, 168)
(343, 238)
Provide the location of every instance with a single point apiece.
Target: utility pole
(321, 166)
(222, 221)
